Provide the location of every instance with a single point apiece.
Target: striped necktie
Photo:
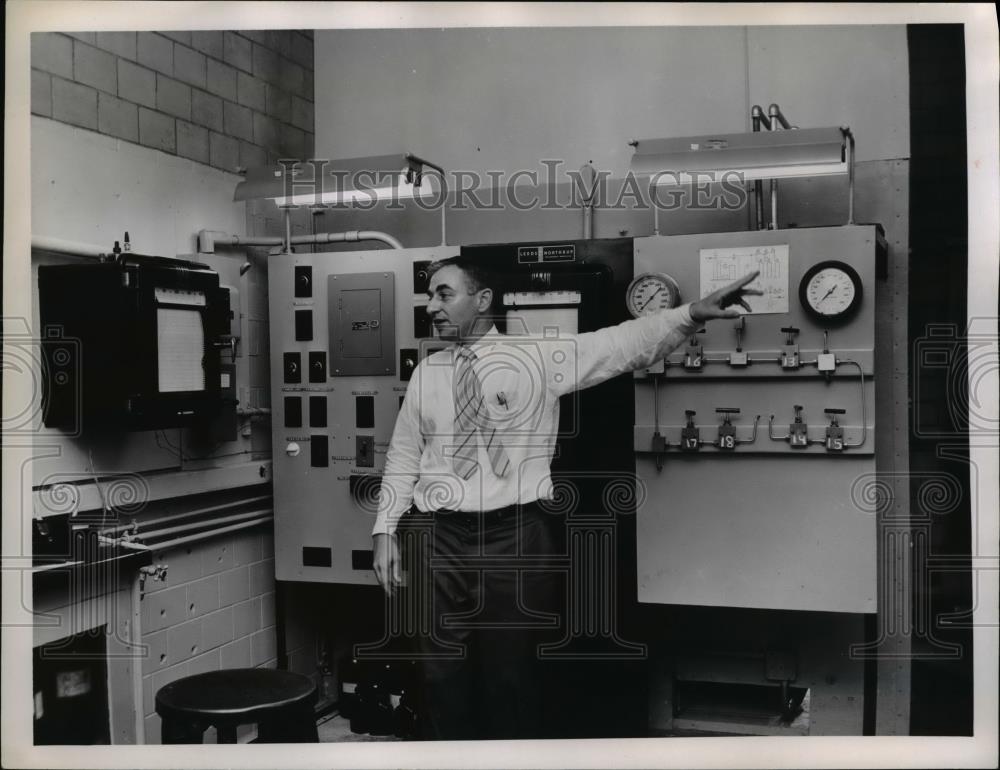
(471, 417)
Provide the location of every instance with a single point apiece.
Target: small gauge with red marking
(651, 292)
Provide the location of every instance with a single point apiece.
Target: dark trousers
(493, 600)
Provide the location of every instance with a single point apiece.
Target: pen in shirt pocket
(502, 399)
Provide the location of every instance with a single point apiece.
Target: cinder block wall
(215, 610)
(225, 99)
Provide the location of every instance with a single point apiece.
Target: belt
(471, 517)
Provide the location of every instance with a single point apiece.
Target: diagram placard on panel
(362, 324)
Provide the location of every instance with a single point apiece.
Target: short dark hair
(478, 275)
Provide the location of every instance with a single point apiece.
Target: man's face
(453, 306)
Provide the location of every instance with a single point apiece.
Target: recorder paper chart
(720, 267)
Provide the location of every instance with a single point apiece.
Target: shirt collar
(487, 340)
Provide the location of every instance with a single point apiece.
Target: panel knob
(293, 449)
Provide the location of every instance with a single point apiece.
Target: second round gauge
(650, 292)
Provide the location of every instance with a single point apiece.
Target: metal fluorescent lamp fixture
(759, 155)
(345, 181)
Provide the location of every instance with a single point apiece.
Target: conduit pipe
(209, 239)
(69, 248)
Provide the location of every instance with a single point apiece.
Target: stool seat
(279, 702)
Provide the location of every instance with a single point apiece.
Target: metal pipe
(189, 514)
(774, 112)
(214, 532)
(288, 230)
(201, 524)
(850, 174)
(69, 248)
(135, 642)
(209, 239)
(864, 404)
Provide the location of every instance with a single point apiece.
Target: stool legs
(180, 731)
(293, 725)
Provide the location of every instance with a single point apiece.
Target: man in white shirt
(471, 448)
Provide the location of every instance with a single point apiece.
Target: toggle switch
(303, 281)
(834, 432)
(790, 351)
(694, 353)
(292, 449)
(407, 363)
(292, 365)
(317, 366)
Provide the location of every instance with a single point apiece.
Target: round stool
(279, 702)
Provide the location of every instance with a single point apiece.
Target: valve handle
(835, 411)
(789, 330)
(727, 410)
(690, 412)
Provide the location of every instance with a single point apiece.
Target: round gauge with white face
(830, 291)
(650, 292)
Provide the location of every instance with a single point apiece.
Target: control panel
(750, 436)
(346, 329)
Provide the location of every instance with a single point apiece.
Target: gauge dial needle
(643, 305)
(832, 290)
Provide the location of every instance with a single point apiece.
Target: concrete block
(173, 97)
(246, 618)
(202, 595)
(236, 654)
(180, 36)
(268, 616)
(223, 151)
(155, 51)
(209, 661)
(168, 675)
(206, 110)
(266, 131)
(164, 608)
(184, 640)
(181, 568)
(256, 35)
(86, 37)
(136, 84)
(248, 547)
(279, 40)
(302, 114)
(74, 103)
(292, 143)
(208, 42)
(237, 121)
(301, 50)
(279, 104)
(308, 87)
(94, 67)
(261, 577)
(118, 43)
(252, 156)
(157, 656)
(221, 79)
(189, 66)
(117, 117)
(53, 53)
(192, 141)
(267, 544)
(217, 555)
(153, 730)
(41, 93)
(148, 703)
(250, 92)
(157, 131)
(217, 628)
(237, 51)
(234, 585)
(263, 646)
(292, 77)
(266, 64)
